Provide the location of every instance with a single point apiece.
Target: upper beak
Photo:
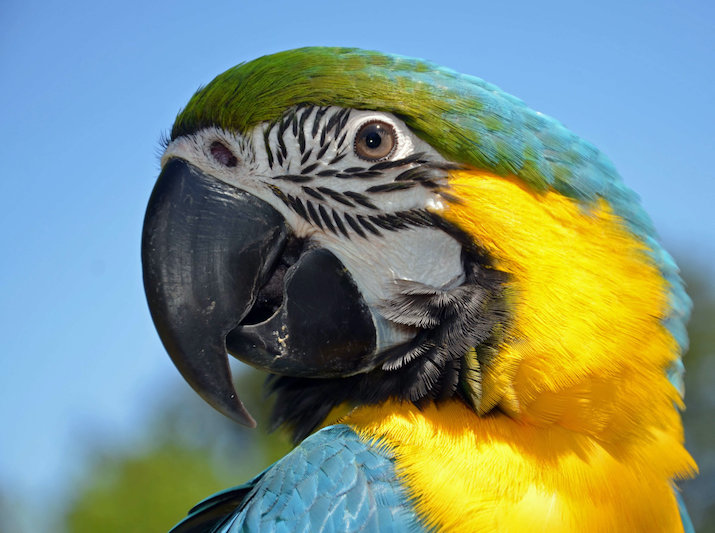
(207, 247)
(209, 250)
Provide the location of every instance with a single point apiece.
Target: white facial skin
(426, 255)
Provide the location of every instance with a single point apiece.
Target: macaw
(458, 290)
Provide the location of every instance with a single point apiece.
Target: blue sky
(88, 87)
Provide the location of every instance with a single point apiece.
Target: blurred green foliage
(189, 451)
(699, 415)
(142, 492)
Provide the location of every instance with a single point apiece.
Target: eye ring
(223, 154)
(375, 140)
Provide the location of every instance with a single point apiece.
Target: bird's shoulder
(333, 481)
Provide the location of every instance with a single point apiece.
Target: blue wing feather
(332, 482)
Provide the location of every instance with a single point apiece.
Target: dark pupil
(373, 139)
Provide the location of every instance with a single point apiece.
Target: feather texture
(495, 473)
(333, 482)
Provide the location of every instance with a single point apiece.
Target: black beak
(207, 248)
(213, 255)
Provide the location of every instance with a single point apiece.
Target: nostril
(223, 154)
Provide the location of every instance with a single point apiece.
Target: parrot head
(366, 227)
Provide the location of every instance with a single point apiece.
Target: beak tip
(241, 415)
(210, 377)
(232, 407)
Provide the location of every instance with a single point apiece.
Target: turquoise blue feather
(332, 482)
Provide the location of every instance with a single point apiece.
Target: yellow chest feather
(493, 473)
(577, 427)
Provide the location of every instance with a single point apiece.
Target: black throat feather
(459, 330)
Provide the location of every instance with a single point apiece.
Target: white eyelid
(405, 146)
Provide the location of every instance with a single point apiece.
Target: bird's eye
(223, 154)
(375, 141)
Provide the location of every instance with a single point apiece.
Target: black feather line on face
(294, 123)
(360, 199)
(339, 224)
(281, 132)
(306, 155)
(369, 227)
(310, 168)
(430, 368)
(316, 120)
(267, 143)
(322, 151)
(326, 218)
(304, 116)
(354, 225)
(338, 157)
(314, 214)
(312, 192)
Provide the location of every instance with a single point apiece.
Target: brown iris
(375, 141)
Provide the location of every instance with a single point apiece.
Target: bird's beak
(210, 251)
